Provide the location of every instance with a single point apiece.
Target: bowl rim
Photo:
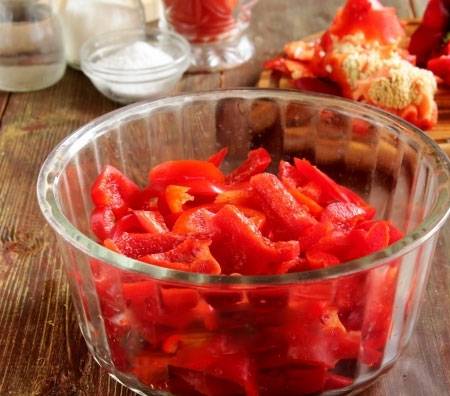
(98, 42)
(59, 157)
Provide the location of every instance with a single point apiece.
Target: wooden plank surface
(42, 352)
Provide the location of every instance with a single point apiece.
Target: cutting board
(440, 133)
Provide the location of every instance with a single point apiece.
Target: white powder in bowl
(139, 55)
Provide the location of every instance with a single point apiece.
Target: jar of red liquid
(215, 29)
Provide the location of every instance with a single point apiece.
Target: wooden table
(42, 352)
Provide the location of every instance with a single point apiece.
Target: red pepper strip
(357, 200)
(113, 189)
(314, 235)
(290, 175)
(440, 67)
(217, 158)
(178, 300)
(195, 221)
(257, 161)
(191, 255)
(200, 176)
(128, 223)
(151, 221)
(318, 259)
(303, 199)
(138, 245)
(370, 18)
(241, 248)
(176, 197)
(240, 197)
(428, 38)
(343, 215)
(282, 210)
(102, 222)
(329, 187)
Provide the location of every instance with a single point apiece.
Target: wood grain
(42, 352)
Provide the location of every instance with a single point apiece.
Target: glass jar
(215, 29)
(83, 19)
(31, 46)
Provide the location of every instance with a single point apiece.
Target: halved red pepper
(289, 218)
(257, 161)
(114, 190)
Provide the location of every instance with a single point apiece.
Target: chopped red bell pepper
(201, 177)
(343, 215)
(257, 161)
(290, 218)
(176, 197)
(128, 223)
(137, 245)
(440, 66)
(114, 190)
(197, 220)
(240, 247)
(151, 221)
(191, 255)
(103, 222)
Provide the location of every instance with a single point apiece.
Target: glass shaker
(31, 46)
(83, 19)
(216, 30)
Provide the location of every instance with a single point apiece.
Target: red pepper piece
(176, 197)
(220, 358)
(114, 190)
(289, 174)
(370, 18)
(440, 66)
(394, 233)
(312, 190)
(178, 300)
(151, 221)
(202, 177)
(147, 199)
(357, 200)
(314, 235)
(190, 255)
(290, 218)
(142, 300)
(217, 158)
(102, 222)
(428, 38)
(241, 248)
(137, 245)
(257, 161)
(151, 369)
(195, 221)
(240, 197)
(343, 215)
(329, 187)
(128, 223)
(378, 237)
(317, 259)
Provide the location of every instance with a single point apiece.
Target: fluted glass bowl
(325, 331)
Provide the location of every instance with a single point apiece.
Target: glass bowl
(127, 82)
(328, 331)
(216, 30)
